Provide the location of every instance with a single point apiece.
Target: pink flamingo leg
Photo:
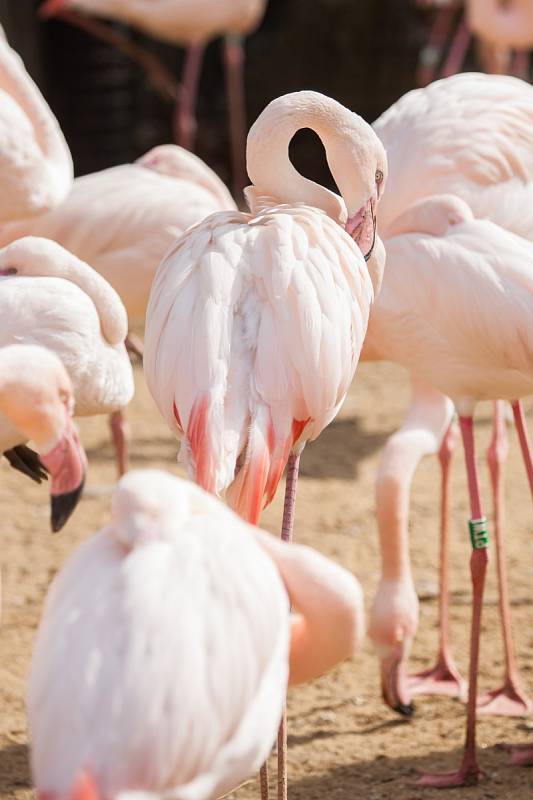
(234, 62)
(469, 772)
(293, 467)
(158, 74)
(510, 700)
(444, 678)
(185, 116)
(458, 51)
(431, 53)
(263, 781)
(520, 65)
(120, 431)
(523, 436)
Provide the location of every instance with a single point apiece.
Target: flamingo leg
(458, 51)
(134, 346)
(263, 781)
(510, 700)
(520, 64)
(185, 115)
(293, 467)
(523, 436)
(120, 431)
(234, 65)
(469, 772)
(431, 53)
(160, 77)
(444, 677)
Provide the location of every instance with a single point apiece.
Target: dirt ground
(343, 742)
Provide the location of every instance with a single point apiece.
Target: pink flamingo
(256, 320)
(499, 30)
(449, 275)
(192, 23)
(35, 163)
(172, 633)
(36, 402)
(446, 126)
(50, 297)
(123, 220)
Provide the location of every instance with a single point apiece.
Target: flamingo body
(256, 321)
(171, 629)
(55, 300)
(467, 135)
(35, 163)
(178, 22)
(124, 219)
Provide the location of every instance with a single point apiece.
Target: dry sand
(343, 742)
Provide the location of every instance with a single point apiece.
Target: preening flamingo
(50, 297)
(470, 134)
(449, 277)
(171, 631)
(192, 23)
(123, 220)
(35, 162)
(36, 402)
(256, 321)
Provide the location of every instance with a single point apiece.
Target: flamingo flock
(177, 628)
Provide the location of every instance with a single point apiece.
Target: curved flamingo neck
(267, 153)
(17, 83)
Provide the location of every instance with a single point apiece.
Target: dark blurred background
(361, 52)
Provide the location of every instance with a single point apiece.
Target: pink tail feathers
(266, 457)
(201, 444)
(84, 788)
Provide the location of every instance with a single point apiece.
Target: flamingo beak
(362, 227)
(50, 8)
(67, 465)
(394, 683)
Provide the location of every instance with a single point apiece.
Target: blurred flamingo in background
(192, 23)
(175, 663)
(35, 162)
(469, 135)
(256, 321)
(504, 37)
(123, 220)
(36, 402)
(50, 297)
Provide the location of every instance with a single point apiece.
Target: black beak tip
(63, 505)
(405, 709)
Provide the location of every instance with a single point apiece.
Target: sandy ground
(343, 742)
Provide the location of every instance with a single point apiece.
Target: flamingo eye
(379, 176)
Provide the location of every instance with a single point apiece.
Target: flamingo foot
(521, 755)
(467, 775)
(443, 679)
(509, 701)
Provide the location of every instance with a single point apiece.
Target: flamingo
(449, 276)
(470, 133)
(36, 402)
(171, 630)
(192, 23)
(35, 162)
(50, 297)
(123, 220)
(499, 30)
(256, 320)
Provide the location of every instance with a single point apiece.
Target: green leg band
(479, 534)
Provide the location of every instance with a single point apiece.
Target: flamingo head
(38, 399)
(394, 621)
